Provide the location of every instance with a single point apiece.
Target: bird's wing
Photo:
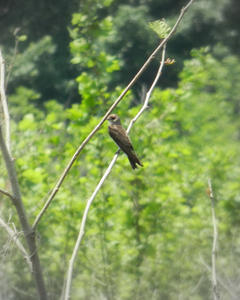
(118, 134)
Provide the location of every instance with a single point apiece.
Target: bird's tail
(134, 161)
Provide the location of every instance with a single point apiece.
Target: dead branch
(14, 238)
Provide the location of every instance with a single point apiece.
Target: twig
(145, 104)
(91, 134)
(19, 245)
(220, 280)
(6, 194)
(4, 102)
(16, 31)
(214, 246)
(194, 289)
(107, 172)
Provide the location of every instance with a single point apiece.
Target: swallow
(120, 137)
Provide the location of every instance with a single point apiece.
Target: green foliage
(40, 65)
(25, 63)
(22, 102)
(22, 38)
(160, 27)
(89, 36)
(130, 39)
(147, 230)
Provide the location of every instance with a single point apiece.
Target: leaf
(160, 27)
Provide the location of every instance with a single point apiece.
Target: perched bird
(119, 135)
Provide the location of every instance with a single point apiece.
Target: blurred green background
(149, 232)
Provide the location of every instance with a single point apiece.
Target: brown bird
(119, 135)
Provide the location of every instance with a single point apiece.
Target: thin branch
(220, 280)
(148, 95)
(4, 102)
(6, 193)
(107, 172)
(195, 288)
(81, 232)
(16, 31)
(19, 245)
(91, 134)
(214, 246)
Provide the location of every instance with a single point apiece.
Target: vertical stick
(4, 102)
(214, 246)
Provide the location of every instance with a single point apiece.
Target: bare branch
(91, 134)
(6, 194)
(16, 31)
(4, 102)
(214, 246)
(13, 236)
(220, 280)
(145, 104)
(81, 232)
(107, 172)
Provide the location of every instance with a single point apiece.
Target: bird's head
(114, 119)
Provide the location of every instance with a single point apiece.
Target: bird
(120, 137)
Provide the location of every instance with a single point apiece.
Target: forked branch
(91, 134)
(15, 239)
(107, 172)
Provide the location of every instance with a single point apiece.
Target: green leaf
(160, 27)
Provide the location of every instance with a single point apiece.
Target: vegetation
(149, 231)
